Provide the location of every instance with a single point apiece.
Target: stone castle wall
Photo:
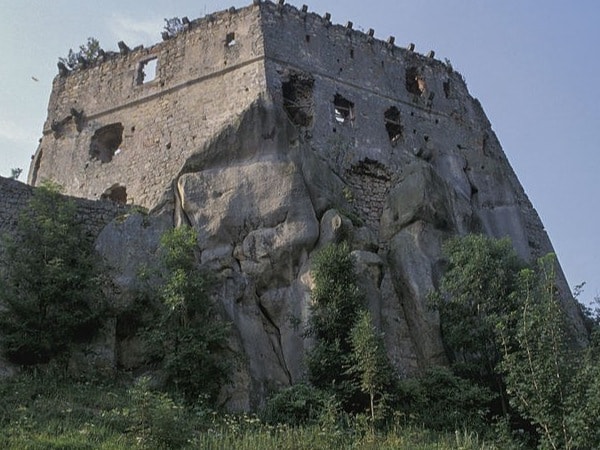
(108, 128)
(93, 215)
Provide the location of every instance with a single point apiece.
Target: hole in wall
(116, 193)
(352, 53)
(393, 125)
(298, 98)
(447, 88)
(230, 39)
(106, 142)
(147, 70)
(343, 109)
(415, 83)
(307, 38)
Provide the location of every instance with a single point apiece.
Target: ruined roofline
(368, 36)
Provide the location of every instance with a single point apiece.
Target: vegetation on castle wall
(188, 338)
(50, 283)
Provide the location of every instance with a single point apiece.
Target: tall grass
(47, 413)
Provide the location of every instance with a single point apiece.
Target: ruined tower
(273, 131)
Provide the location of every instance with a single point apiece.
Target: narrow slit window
(393, 125)
(230, 39)
(343, 109)
(147, 71)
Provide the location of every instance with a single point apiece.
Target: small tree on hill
(50, 290)
(189, 337)
(88, 54)
(336, 304)
(370, 363)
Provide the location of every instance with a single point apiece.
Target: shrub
(300, 404)
(50, 283)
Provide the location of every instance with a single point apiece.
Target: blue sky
(532, 64)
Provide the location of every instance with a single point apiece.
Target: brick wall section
(94, 215)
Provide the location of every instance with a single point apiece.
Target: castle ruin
(273, 131)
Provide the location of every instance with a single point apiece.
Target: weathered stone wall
(93, 215)
(202, 84)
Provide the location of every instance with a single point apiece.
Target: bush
(296, 405)
(50, 283)
(188, 338)
(440, 400)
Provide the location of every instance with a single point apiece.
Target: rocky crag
(274, 132)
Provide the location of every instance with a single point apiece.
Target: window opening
(447, 88)
(230, 40)
(298, 99)
(147, 71)
(344, 109)
(106, 142)
(115, 193)
(393, 125)
(415, 84)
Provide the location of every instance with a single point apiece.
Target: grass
(47, 413)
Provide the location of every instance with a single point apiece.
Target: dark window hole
(343, 108)
(106, 142)
(393, 125)
(298, 99)
(116, 193)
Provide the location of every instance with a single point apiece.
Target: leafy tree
(336, 304)
(475, 293)
(88, 53)
(189, 337)
(50, 284)
(537, 360)
(370, 362)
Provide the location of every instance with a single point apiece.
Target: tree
(336, 304)
(172, 27)
(88, 53)
(189, 337)
(50, 284)
(537, 361)
(475, 293)
(369, 362)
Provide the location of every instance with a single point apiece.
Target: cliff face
(264, 198)
(327, 134)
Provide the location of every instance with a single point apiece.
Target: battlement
(123, 127)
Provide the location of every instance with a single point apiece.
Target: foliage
(88, 53)
(50, 285)
(537, 361)
(475, 292)
(296, 405)
(370, 364)
(440, 400)
(336, 304)
(583, 403)
(173, 27)
(189, 338)
(15, 173)
(155, 418)
(43, 412)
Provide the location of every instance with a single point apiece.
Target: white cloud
(135, 32)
